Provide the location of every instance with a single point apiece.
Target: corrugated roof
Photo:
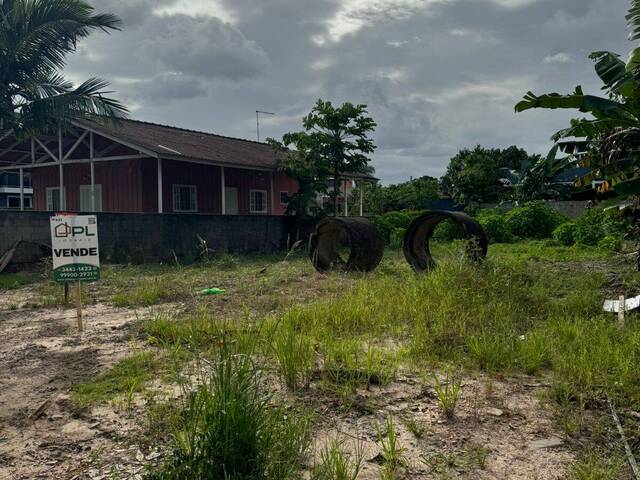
(173, 142)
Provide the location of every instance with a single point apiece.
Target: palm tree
(607, 142)
(35, 37)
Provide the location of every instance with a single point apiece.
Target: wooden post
(93, 173)
(621, 310)
(66, 293)
(79, 306)
(223, 198)
(63, 207)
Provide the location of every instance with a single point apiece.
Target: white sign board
(74, 241)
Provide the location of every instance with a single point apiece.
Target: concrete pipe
(345, 243)
(416, 239)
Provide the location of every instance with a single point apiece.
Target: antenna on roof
(258, 112)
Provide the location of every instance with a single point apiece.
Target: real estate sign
(74, 241)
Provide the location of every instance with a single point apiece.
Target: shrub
(447, 231)
(610, 242)
(230, 429)
(496, 228)
(589, 228)
(565, 233)
(534, 220)
(392, 225)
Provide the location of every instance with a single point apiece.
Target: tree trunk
(336, 187)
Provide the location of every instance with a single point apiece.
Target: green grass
(124, 379)
(10, 281)
(336, 463)
(532, 308)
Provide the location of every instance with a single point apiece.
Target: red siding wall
(121, 185)
(206, 178)
(132, 186)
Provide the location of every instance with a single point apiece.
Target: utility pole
(258, 112)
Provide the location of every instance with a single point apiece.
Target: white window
(284, 198)
(53, 198)
(257, 201)
(185, 198)
(85, 198)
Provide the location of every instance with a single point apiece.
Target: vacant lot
(498, 371)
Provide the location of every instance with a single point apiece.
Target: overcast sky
(437, 75)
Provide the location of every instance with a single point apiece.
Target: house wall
(131, 186)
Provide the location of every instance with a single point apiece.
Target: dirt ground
(43, 435)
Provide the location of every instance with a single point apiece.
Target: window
(13, 202)
(53, 199)
(85, 198)
(185, 198)
(284, 198)
(27, 203)
(257, 201)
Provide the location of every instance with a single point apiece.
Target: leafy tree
(415, 194)
(35, 37)
(608, 140)
(334, 141)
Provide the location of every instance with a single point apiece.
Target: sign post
(76, 258)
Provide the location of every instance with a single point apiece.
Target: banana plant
(607, 141)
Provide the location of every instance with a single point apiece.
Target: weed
(419, 428)
(472, 457)
(393, 453)
(448, 393)
(126, 377)
(592, 466)
(231, 429)
(295, 355)
(10, 281)
(148, 292)
(336, 464)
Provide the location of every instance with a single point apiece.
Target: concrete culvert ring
(416, 239)
(344, 243)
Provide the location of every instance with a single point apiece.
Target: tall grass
(230, 429)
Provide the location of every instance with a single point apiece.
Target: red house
(140, 167)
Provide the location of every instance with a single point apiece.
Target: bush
(565, 234)
(611, 243)
(534, 220)
(230, 429)
(589, 228)
(392, 225)
(447, 231)
(496, 227)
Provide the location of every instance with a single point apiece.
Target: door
(85, 198)
(231, 200)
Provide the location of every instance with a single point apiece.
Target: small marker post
(79, 306)
(622, 306)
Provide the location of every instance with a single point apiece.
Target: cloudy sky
(437, 75)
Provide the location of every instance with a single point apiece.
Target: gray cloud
(438, 75)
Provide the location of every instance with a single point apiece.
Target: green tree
(608, 140)
(472, 177)
(335, 141)
(35, 38)
(415, 194)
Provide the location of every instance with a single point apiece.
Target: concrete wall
(140, 237)
(568, 208)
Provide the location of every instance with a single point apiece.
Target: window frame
(286, 192)
(14, 197)
(192, 188)
(266, 206)
(57, 190)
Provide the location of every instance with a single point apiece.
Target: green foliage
(9, 281)
(533, 220)
(565, 233)
(127, 376)
(606, 141)
(610, 242)
(447, 231)
(416, 194)
(36, 38)
(480, 175)
(148, 292)
(335, 141)
(392, 225)
(393, 454)
(230, 429)
(496, 227)
(447, 393)
(295, 355)
(336, 464)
